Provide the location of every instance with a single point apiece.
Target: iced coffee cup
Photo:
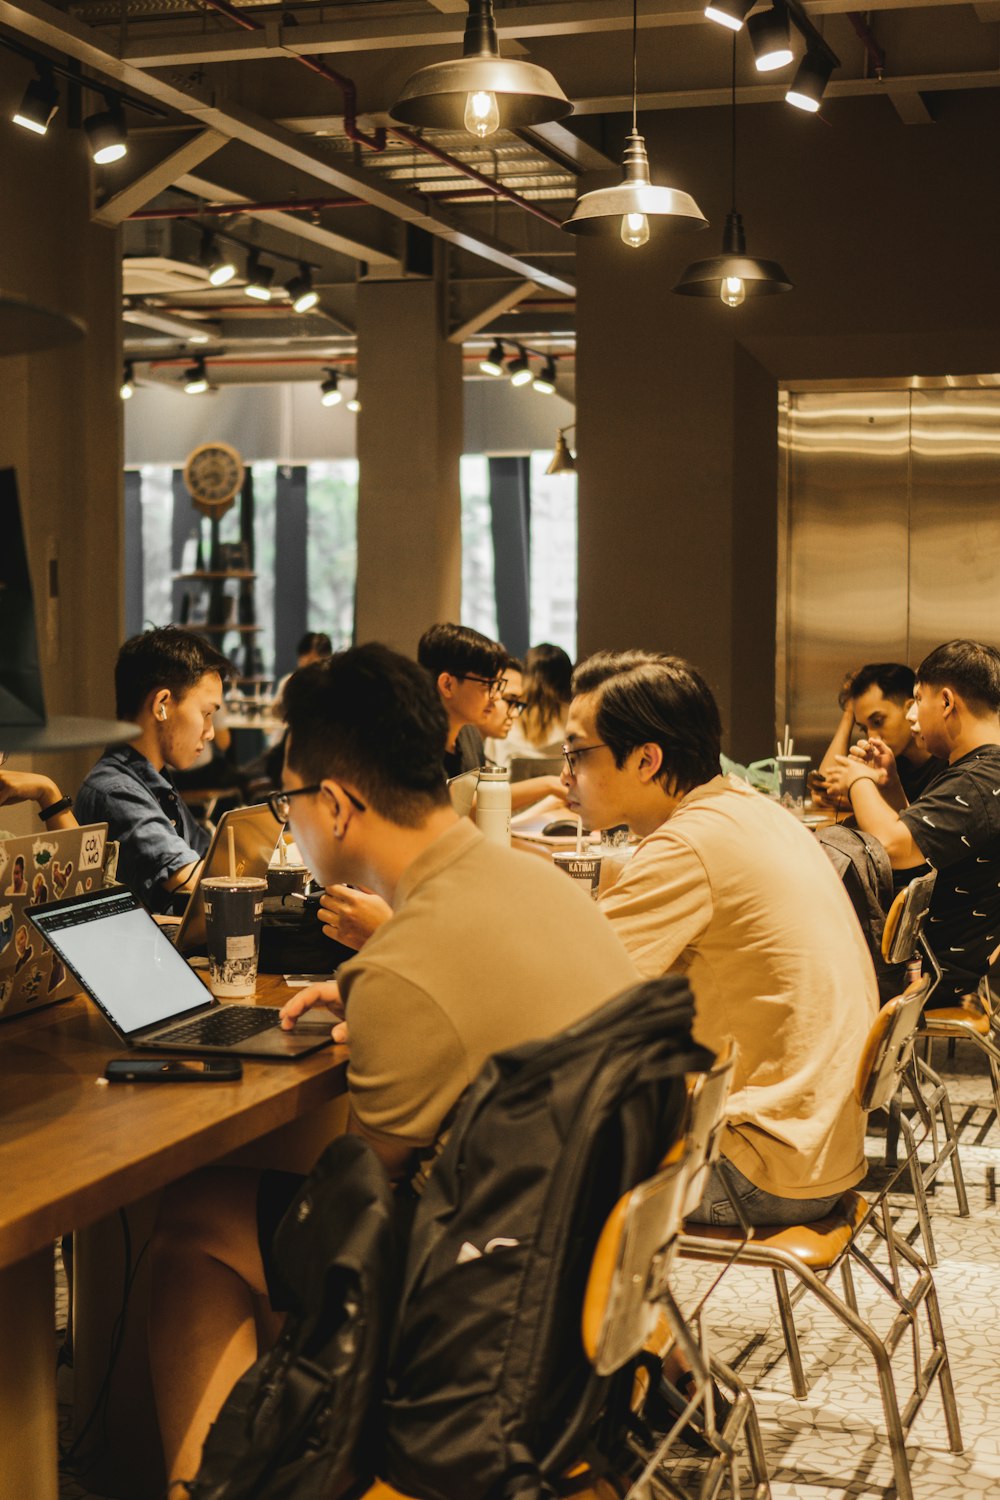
(234, 906)
(585, 867)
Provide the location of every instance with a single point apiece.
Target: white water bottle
(493, 804)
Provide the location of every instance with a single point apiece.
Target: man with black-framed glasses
(467, 669)
(435, 991)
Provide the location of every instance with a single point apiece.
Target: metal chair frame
(903, 940)
(812, 1253)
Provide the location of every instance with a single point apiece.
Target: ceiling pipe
(867, 36)
(378, 142)
(289, 205)
(346, 85)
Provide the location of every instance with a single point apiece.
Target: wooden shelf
(206, 577)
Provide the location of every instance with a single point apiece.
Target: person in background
(55, 810)
(731, 890)
(876, 700)
(467, 669)
(507, 705)
(315, 645)
(541, 729)
(169, 681)
(437, 991)
(954, 826)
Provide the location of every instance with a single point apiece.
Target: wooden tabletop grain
(73, 1149)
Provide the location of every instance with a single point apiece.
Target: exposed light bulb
(127, 389)
(482, 117)
(635, 230)
(732, 291)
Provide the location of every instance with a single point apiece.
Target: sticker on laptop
(42, 851)
(6, 926)
(61, 877)
(23, 948)
(18, 885)
(39, 891)
(91, 851)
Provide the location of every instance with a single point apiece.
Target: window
(332, 547)
(553, 556)
(479, 604)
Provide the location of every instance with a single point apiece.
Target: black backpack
(489, 1391)
(296, 1425)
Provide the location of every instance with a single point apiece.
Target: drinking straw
(579, 832)
(232, 852)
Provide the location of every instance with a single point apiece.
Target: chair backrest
(522, 767)
(636, 1246)
(904, 924)
(633, 1256)
(888, 1046)
(707, 1095)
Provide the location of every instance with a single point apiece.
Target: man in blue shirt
(169, 682)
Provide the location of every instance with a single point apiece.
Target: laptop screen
(122, 959)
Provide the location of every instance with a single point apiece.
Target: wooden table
(72, 1151)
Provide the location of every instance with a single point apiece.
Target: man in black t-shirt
(954, 826)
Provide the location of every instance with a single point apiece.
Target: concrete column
(409, 446)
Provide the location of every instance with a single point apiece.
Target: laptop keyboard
(231, 1023)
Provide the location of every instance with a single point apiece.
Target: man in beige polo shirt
(728, 888)
(436, 990)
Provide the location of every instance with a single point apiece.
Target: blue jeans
(759, 1206)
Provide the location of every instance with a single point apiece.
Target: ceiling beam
(398, 33)
(768, 93)
(45, 24)
(909, 105)
(115, 210)
(492, 308)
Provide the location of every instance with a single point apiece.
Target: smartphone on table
(173, 1070)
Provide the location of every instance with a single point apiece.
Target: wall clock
(213, 474)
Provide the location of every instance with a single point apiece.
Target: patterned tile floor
(832, 1445)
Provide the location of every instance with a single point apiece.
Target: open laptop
(36, 869)
(255, 838)
(142, 985)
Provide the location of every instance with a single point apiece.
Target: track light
(481, 91)
(810, 81)
(127, 388)
(40, 102)
(196, 379)
(768, 33)
(330, 393)
(518, 369)
(493, 362)
(731, 13)
(627, 206)
(562, 460)
(259, 279)
(219, 264)
(545, 383)
(106, 133)
(355, 403)
(300, 289)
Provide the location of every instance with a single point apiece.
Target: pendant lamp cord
(732, 97)
(635, 73)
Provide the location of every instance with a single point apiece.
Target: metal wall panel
(955, 518)
(845, 558)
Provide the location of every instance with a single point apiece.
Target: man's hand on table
(327, 992)
(350, 914)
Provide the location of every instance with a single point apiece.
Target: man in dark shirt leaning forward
(955, 825)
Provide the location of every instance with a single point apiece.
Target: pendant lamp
(733, 276)
(481, 91)
(563, 460)
(629, 205)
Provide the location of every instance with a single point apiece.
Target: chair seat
(818, 1245)
(955, 1020)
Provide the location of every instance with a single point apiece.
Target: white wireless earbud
(162, 713)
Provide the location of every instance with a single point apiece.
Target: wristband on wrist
(63, 805)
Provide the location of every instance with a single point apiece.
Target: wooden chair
(811, 1253)
(904, 941)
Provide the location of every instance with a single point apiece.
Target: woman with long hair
(541, 728)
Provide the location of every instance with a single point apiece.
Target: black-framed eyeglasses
(515, 706)
(494, 685)
(280, 802)
(571, 754)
